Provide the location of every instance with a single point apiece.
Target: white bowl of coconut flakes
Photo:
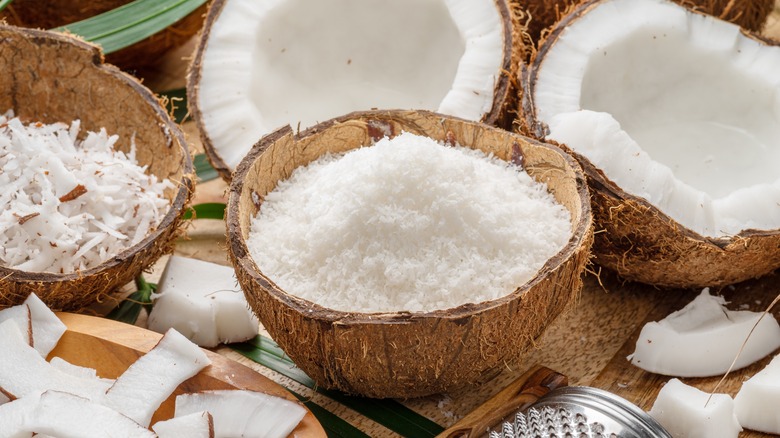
(406, 253)
(94, 175)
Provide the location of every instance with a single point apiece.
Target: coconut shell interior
(407, 354)
(51, 78)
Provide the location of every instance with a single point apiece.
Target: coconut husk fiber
(749, 14)
(50, 77)
(48, 14)
(407, 354)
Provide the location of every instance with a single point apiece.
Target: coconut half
(407, 354)
(52, 77)
(675, 117)
(263, 65)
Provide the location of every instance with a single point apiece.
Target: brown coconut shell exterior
(48, 14)
(749, 14)
(407, 354)
(637, 240)
(501, 114)
(50, 77)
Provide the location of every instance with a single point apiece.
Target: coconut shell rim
(237, 243)
(538, 129)
(185, 184)
(504, 89)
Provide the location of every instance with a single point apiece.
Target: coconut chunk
(244, 413)
(202, 301)
(758, 400)
(68, 416)
(703, 338)
(140, 390)
(195, 425)
(15, 415)
(21, 315)
(23, 371)
(47, 329)
(685, 411)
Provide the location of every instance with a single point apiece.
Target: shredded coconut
(67, 204)
(406, 224)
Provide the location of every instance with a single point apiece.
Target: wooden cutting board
(641, 387)
(110, 347)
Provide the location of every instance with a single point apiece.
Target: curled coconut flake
(69, 205)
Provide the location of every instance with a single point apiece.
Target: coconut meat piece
(758, 400)
(195, 425)
(140, 390)
(685, 411)
(79, 371)
(21, 316)
(65, 415)
(23, 371)
(703, 338)
(274, 63)
(244, 413)
(47, 329)
(202, 301)
(675, 107)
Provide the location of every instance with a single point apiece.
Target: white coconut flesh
(243, 413)
(272, 63)
(685, 411)
(675, 107)
(703, 338)
(202, 301)
(757, 401)
(195, 425)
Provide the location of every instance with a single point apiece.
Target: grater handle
(521, 393)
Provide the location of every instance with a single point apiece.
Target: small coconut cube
(685, 413)
(202, 301)
(758, 401)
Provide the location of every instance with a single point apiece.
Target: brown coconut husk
(638, 241)
(50, 77)
(501, 114)
(407, 354)
(749, 14)
(48, 14)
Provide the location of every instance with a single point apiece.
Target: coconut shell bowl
(407, 354)
(50, 77)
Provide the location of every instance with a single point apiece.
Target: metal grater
(580, 412)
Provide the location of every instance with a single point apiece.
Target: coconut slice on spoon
(263, 65)
(675, 117)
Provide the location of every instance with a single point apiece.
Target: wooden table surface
(588, 344)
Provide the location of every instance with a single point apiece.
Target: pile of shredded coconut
(406, 224)
(66, 204)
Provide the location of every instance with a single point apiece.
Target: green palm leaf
(130, 23)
